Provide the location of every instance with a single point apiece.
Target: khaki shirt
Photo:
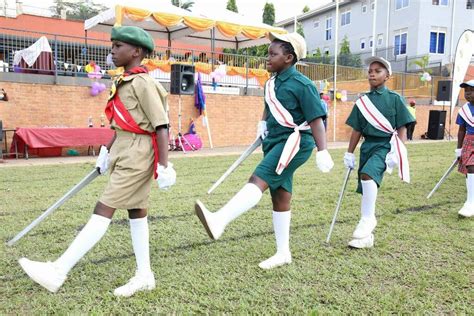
(145, 99)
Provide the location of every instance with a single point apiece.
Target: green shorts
(372, 159)
(271, 155)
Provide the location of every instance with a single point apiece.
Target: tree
(305, 9)
(268, 14)
(299, 28)
(346, 58)
(77, 11)
(183, 5)
(232, 6)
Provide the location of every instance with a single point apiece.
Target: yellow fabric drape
(136, 14)
(253, 32)
(261, 75)
(166, 19)
(229, 29)
(198, 24)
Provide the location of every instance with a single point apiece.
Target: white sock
(470, 187)
(281, 226)
(243, 201)
(141, 244)
(369, 196)
(84, 241)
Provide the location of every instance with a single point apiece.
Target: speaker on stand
(444, 94)
(182, 83)
(436, 124)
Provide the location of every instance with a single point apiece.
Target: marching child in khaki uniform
(465, 150)
(137, 112)
(292, 122)
(380, 116)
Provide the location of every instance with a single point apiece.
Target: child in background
(381, 117)
(465, 150)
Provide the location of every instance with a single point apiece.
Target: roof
(312, 13)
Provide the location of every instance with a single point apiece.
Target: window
(400, 44)
(364, 7)
(326, 51)
(437, 41)
(315, 23)
(362, 43)
(440, 2)
(371, 42)
(328, 29)
(379, 40)
(470, 4)
(400, 4)
(345, 18)
(372, 5)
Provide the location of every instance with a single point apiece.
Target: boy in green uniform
(292, 122)
(137, 112)
(380, 117)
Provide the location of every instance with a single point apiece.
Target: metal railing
(69, 56)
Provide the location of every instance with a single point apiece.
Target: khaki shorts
(131, 172)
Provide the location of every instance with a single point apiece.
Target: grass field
(423, 260)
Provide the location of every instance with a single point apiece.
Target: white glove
(349, 160)
(324, 161)
(457, 152)
(166, 176)
(262, 130)
(102, 162)
(391, 162)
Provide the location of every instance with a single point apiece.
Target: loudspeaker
(436, 122)
(182, 79)
(444, 90)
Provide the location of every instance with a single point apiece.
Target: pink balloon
(102, 87)
(325, 97)
(94, 92)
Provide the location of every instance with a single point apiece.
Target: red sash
(116, 110)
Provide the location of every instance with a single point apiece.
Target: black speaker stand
(180, 136)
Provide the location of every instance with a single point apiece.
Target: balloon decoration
(338, 95)
(344, 95)
(325, 97)
(218, 75)
(425, 77)
(94, 72)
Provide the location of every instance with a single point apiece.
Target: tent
(165, 21)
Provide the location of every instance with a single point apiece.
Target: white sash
(284, 118)
(380, 122)
(466, 114)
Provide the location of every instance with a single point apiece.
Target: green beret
(133, 35)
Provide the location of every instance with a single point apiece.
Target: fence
(70, 55)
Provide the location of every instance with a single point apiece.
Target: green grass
(423, 260)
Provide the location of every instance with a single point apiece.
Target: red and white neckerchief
(466, 114)
(380, 122)
(284, 118)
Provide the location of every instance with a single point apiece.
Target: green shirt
(390, 104)
(412, 111)
(300, 97)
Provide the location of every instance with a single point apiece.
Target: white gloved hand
(166, 176)
(349, 160)
(324, 161)
(457, 152)
(391, 161)
(102, 162)
(262, 130)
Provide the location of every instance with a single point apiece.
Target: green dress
(300, 97)
(376, 143)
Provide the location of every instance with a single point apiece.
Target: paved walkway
(204, 152)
